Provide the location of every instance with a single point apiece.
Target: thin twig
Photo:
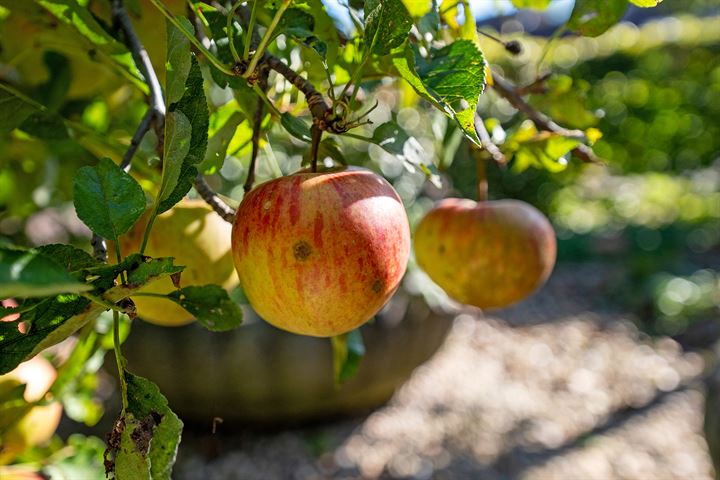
(155, 115)
(225, 211)
(542, 121)
(487, 142)
(258, 55)
(140, 55)
(137, 138)
(536, 86)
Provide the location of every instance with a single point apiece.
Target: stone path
(567, 395)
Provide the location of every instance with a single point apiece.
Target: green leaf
(29, 116)
(403, 60)
(211, 305)
(107, 199)
(295, 127)
(387, 23)
(76, 382)
(52, 93)
(593, 17)
(29, 273)
(131, 460)
(54, 319)
(544, 150)
(46, 126)
(178, 60)
(151, 269)
(297, 24)
(348, 350)
(393, 139)
(146, 402)
(646, 3)
(177, 146)
(300, 26)
(534, 4)
(566, 102)
(9, 102)
(217, 23)
(49, 324)
(193, 106)
(86, 461)
(218, 144)
(452, 78)
(83, 23)
(72, 259)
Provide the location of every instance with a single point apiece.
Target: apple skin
(199, 239)
(38, 424)
(487, 254)
(320, 253)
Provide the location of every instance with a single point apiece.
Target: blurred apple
(197, 238)
(487, 254)
(35, 425)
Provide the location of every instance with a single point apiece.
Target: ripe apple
(35, 426)
(488, 254)
(320, 253)
(198, 239)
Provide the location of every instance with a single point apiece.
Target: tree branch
(322, 114)
(536, 86)
(487, 142)
(542, 121)
(142, 129)
(156, 112)
(221, 208)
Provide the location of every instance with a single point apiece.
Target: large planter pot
(261, 375)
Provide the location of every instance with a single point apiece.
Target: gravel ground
(548, 390)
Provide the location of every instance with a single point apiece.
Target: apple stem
(316, 133)
(482, 183)
(257, 127)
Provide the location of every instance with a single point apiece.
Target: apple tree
(130, 108)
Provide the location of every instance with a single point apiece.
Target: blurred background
(604, 373)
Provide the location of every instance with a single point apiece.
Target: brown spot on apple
(377, 286)
(302, 250)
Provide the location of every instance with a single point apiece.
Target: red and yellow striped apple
(489, 254)
(320, 253)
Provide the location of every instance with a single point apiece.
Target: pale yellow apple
(199, 239)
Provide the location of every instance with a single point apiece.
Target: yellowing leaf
(533, 4)
(417, 8)
(593, 135)
(449, 12)
(646, 3)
